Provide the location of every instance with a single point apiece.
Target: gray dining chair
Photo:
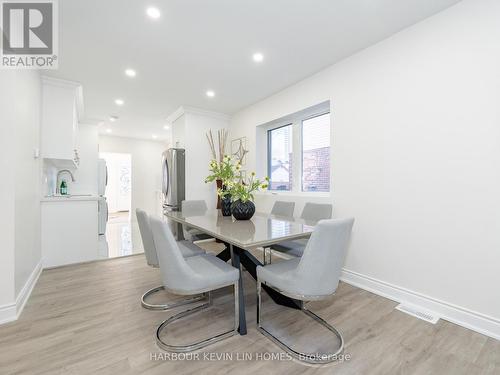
(194, 208)
(282, 208)
(188, 249)
(191, 276)
(313, 277)
(312, 212)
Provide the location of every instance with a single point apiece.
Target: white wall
(27, 176)
(20, 100)
(7, 193)
(416, 156)
(179, 132)
(146, 169)
(189, 132)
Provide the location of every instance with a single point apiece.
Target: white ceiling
(198, 45)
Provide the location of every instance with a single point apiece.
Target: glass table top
(260, 230)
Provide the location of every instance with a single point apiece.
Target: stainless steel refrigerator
(174, 184)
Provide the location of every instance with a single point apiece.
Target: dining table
(240, 237)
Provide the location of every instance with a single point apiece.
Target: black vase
(226, 205)
(242, 210)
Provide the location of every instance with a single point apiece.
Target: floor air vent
(418, 313)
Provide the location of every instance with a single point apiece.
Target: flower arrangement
(223, 170)
(243, 190)
(236, 194)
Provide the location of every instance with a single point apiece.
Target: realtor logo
(29, 34)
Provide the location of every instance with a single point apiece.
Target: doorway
(119, 187)
(119, 198)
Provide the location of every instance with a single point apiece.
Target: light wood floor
(87, 319)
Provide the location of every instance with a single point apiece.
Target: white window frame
(268, 153)
(301, 129)
(295, 120)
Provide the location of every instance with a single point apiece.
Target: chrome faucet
(58, 187)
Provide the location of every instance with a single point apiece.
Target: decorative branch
(221, 144)
(219, 139)
(210, 139)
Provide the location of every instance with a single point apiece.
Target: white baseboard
(28, 287)
(11, 312)
(8, 313)
(475, 321)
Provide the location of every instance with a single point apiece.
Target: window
(298, 151)
(316, 153)
(279, 168)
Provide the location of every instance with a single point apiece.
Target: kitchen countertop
(70, 198)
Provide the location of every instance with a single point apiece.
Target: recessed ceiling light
(130, 72)
(166, 127)
(113, 118)
(210, 93)
(258, 57)
(109, 130)
(119, 102)
(153, 12)
(154, 136)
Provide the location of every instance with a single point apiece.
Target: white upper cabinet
(62, 109)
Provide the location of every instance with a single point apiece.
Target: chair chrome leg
(267, 250)
(259, 302)
(209, 298)
(267, 255)
(319, 358)
(201, 344)
(167, 306)
(236, 307)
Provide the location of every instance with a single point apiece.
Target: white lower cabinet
(69, 231)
